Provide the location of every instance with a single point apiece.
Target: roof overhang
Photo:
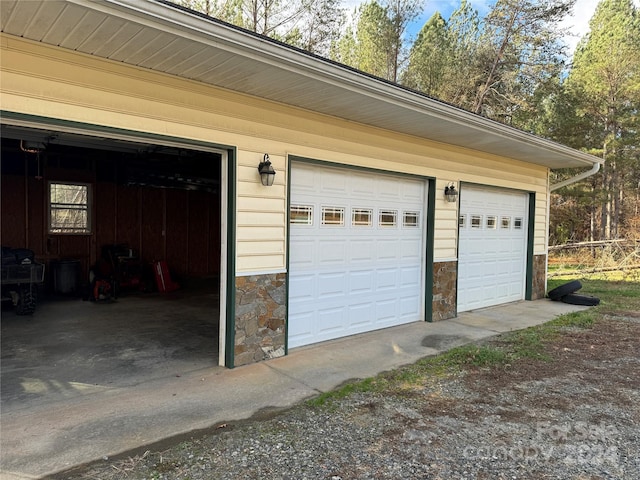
(162, 37)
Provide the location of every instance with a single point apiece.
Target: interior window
(69, 208)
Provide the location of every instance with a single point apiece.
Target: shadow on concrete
(71, 347)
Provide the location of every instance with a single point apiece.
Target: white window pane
(301, 215)
(333, 216)
(388, 218)
(362, 217)
(68, 194)
(517, 223)
(411, 219)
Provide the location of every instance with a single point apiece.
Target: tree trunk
(477, 108)
(604, 202)
(254, 14)
(592, 215)
(616, 187)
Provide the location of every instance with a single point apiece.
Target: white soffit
(159, 36)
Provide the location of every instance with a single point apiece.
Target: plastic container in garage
(65, 276)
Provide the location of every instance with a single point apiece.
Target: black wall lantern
(450, 193)
(267, 173)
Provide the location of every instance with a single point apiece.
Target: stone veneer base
(260, 318)
(445, 297)
(539, 277)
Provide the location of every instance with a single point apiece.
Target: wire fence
(618, 259)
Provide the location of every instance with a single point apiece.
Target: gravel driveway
(576, 416)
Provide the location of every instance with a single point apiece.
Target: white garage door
(492, 247)
(356, 252)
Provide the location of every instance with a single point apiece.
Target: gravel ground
(575, 417)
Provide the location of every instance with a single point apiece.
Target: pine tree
(606, 78)
(320, 26)
(464, 33)
(520, 48)
(373, 31)
(375, 42)
(430, 58)
(400, 13)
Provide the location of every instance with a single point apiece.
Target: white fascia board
(233, 39)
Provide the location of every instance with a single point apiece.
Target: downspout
(594, 169)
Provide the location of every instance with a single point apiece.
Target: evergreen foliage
(510, 65)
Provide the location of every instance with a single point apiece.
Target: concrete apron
(50, 438)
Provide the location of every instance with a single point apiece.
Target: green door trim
(230, 328)
(430, 253)
(531, 230)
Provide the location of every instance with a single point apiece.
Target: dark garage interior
(132, 261)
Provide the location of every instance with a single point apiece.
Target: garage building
(160, 117)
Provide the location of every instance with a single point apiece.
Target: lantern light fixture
(450, 192)
(267, 173)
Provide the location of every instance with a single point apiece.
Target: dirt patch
(440, 342)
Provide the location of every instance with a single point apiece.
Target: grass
(326, 398)
(446, 364)
(616, 297)
(614, 294)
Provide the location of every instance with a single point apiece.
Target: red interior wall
(177, 236)
(152, 205)
(105, 208)
(182, 227)
(14, 217)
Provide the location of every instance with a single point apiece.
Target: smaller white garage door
(492, 247)
(356, 252)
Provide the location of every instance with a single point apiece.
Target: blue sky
(577, 23)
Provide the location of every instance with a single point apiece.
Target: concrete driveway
(84, 421)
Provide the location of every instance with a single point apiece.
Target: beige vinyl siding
(51, 82)
(446, 223)
(260, 215)
(540, 235)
